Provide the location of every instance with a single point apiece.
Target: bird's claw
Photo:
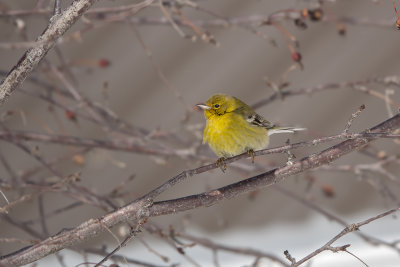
(221, 164)
(251, 153)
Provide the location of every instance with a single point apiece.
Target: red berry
(104, 63)
(70, 115)
(296, 56)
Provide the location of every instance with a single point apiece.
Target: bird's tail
(284, 130)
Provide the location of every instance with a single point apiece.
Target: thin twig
(330, 216)
(157, 70)
(353, 116)
(131, 235)
(57, 7)
(237, 250)
(354, 85)
(345, 231)
(124, 259)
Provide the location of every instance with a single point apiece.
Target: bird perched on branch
(234, 128)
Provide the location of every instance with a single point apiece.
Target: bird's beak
(203, 106)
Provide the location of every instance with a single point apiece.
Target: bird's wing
(252, 117)
(258, 120)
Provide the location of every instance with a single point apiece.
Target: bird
(233, 127)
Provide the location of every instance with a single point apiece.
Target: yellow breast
(230, 134)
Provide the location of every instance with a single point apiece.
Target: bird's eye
(216, 106)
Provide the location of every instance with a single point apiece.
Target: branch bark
(58, 25)
(144, 207)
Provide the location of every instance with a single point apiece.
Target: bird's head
(218, 104)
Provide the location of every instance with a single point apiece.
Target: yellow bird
(234, 128)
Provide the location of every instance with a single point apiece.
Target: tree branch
(345, 231)
(58, 25)
(143, 207)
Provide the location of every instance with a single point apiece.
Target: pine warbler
(234, 128)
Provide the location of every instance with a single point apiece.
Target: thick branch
(58, 25)
(273, 176)
(142, 207)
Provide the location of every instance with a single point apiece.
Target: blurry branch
(144, 207)
(96, 11)
(350, 228)
(158, 71)
(123, 259)
(16, 240)
(152, 250)
(204, 242)
(109, 121)
(58, 25)
(256, 20)
(224, 22)
(25, 228)
(53, 213)
(20, 45)
(367, 22)
(120, 145)
(25, 12)
(113, 122)
(99, 114)
(82, 194)
(250, 28)
(173, 16)
(134, 232)
(374, 167)
(330, 216)
(57, 7)
(360, 86)
(135, 147)
(82, 101)
(279, 94)
(57, 187)
(74, 155)
(397, 16)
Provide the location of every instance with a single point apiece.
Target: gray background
(198, 70)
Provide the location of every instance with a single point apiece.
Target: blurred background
(137, 66)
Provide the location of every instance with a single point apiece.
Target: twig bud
(315, 14)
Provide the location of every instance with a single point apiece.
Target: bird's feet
(251, 154)
(221, 164)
